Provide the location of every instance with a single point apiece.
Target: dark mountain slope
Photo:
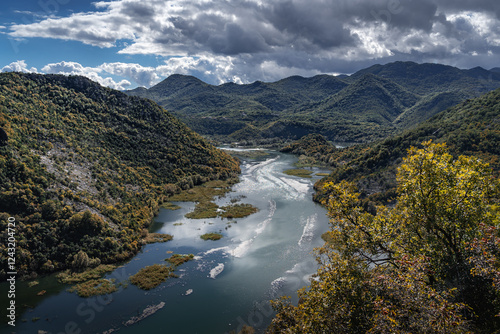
(370, 98)
(427, 107)
(472, 128)
(363, 110)
(84, 168)
(230, 108)
(371, 104)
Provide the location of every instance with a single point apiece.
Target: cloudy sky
(128, 43)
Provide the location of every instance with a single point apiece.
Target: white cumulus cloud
(19, 66)
(142, 75)
(238, 26)
(248, 40)
(73, 68)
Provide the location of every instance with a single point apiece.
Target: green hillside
(237, 110)
(471, 128)
(427, 107)
(428, 263)
(371, 104)
(83, 167)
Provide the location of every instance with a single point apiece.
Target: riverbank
(259, 257)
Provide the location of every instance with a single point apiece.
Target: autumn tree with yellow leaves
(427, 265)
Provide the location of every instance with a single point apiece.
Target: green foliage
(237, 211)
(432, 78)
(252, 154)
(211, 236)
(204, 192)
(86, 168)
(82, 261)
(299, 172)
(313, 150)
(249, 132)
(94, 288)
(69, 277)
(3, 137)
(444, 200)
(150, 277)
(427, 107)
(427, 265)
(202, 210)
(207, 209)
(152, 238)
(470, 128)
(85, 223)
(178, 259)
(309, 145)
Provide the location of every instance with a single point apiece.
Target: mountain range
(370, 104)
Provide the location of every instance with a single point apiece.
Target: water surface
(231, 280)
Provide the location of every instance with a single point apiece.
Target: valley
(110, 181)
(229, 281)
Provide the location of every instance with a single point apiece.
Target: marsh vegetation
(211, 236)
(150, 277)
(299, 172)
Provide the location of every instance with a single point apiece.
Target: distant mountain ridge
(428, 78)
(370, 104)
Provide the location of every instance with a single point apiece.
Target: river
(230, 281)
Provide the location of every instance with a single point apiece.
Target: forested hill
(469, 128)
(83, 167)
(370, 104)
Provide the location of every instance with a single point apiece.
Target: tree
(3, 137)
(80, 260)
(442, 201)
(86, 222)
(428, 265)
